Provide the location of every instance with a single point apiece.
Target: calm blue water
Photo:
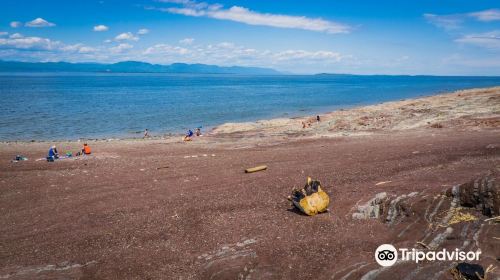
(47, 106)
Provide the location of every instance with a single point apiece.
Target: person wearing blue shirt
(53, 154)
(188, 135)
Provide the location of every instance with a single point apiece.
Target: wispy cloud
(16, 36)
(22, 43)
(308, 55)
(162, 49)
(39, 22)
(447, 22)
(487, 15)
(228, 53)
(143, 31)
(121, 48)
(127, 36)
(17, 41)
(15, 24)
(80, 48)
(101, 28)
(187, 41)
(454, 21)
(489, 40)
(247, 16)
(224, 53)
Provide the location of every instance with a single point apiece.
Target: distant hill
(130, 67)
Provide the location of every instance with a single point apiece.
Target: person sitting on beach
(146, 134)
(86, 149)
(53, 154)
(188, 135)
(198, 131)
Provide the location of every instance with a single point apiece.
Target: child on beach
(86, 149)
(146, 134)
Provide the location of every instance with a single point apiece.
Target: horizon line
(281, 72)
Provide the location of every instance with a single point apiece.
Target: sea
(71, 106)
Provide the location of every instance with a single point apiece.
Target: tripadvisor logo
(387, 255)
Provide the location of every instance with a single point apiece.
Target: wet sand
(164, 209)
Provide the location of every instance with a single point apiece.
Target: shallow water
(67, 106)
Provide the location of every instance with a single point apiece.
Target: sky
(304, 37)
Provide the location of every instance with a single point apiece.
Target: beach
(162, 208)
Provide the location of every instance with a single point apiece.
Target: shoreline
(288, 126)
(454, 109)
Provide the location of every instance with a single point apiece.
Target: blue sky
(363, 37)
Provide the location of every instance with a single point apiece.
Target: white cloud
(28, 43)
(39, 22)
(15, 24)
(120, 48)
(79, 48)
(454, 21)
(100, 28)
(489, 40)
(486, 15)
(247, 16)
(187, 41)
(18, 47)
(128, 36)
(16, 36)
(143, 31)
(85, 49)
(308, 55)
(165, 49)
(228, 54)
(185, 2)
(19, 42)
(447, 22)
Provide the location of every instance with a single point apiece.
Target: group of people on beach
(187, 137)
(309, 122)
(53, 154)
(190, 134)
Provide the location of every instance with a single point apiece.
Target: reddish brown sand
(150, 210)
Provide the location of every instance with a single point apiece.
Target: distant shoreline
(129, 67)
(4, 72)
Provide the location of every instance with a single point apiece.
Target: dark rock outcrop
(482, 193)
